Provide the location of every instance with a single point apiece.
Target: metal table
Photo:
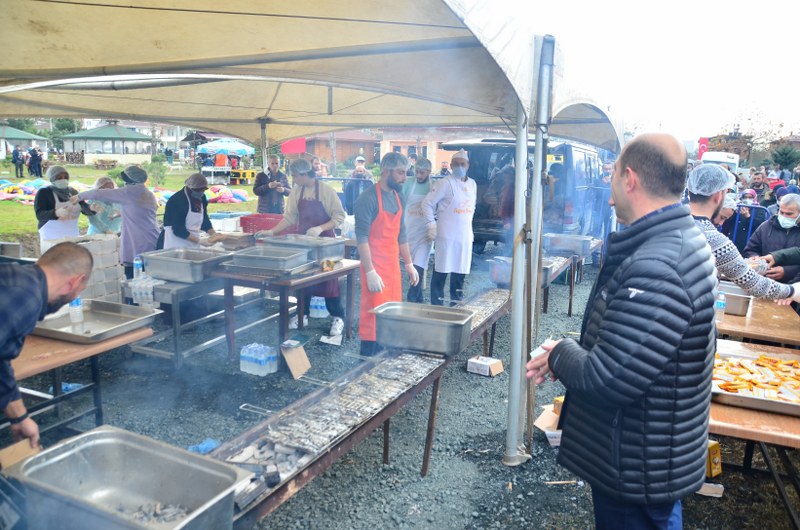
(40, 355)
(766, 321)
(285, 286)
(490, 306)
(552, 267)
(765, 429)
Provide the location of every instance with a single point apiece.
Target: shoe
(337, 326)
(293, 322)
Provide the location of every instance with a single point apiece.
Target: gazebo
(10, 136)
(109, 142)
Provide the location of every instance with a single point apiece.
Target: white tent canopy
(300, 67)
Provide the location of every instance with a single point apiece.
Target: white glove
(314, 231)
(205, 241)
(265, 233)
(96, 207)
(62, 213)
(413, 275)
(432, 231)
(75, 199)
(374, 282)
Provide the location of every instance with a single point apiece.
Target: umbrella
(226, 146)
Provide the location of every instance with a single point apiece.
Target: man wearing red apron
(381, 238)
(316, 210)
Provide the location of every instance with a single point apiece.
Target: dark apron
(312, 213)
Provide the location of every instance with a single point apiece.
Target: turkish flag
(294, 147)
(702, 147)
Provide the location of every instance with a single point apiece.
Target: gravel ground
(467, 485)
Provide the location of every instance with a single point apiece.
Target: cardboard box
(295, 356)
(558, 402)
(547, 422)
(17, 452)
(714, 460)
(488, 366)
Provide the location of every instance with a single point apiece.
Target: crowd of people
(30, 158)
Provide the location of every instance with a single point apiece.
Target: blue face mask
(786, 222)
(459, 172)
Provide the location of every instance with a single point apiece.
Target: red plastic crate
(263, 221)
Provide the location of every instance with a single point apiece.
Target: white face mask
(459, 172)
(747, 201)
(786, 222)
(61, 184)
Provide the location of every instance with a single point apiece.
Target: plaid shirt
(24, 302)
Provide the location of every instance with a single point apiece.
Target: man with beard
(381, 237)
(29, 293)
(708, 187)
(758, 185)
(414, 192)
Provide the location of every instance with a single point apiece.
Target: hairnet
(136, 174)
(461, 154)
(196, 181)
(360, 158)
(708, 179)
(103, 181)
(730, 202)
(424, 164)
(300, 166)
(784, 190)
(54, 171)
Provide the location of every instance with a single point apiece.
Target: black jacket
(635, 419)
(269, 200)
(770, 237)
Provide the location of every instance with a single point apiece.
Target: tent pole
(514, 452)
(263, 123)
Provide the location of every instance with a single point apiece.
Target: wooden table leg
(230, 323)
(486, 343)
(491, 340)
(300, 296)
(386, 442)
(348, 315)
(572, 267)
(283, 314)
(580, 270)
(426, 457)
(545, 298)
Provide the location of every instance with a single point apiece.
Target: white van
(720, 157)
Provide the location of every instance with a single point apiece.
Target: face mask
(786, 222)
(196, 194)
(460, 171)
(61, 184)
(747, 201)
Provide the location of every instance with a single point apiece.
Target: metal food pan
(101, 321)
(753, 402)
(421, 327)
(88, 481)
(576, 244)
(185, 265)
(270, 257)
(318, 248)
(230, 266)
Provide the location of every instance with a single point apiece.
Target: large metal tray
(421, 327)
(752, 402)
(270, 257)
(101, 321)
(185, 265)
(566, 242)
(318, 248)
(230, 266)
(86, 482)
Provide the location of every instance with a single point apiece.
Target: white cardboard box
(488, 366)
(547, 422)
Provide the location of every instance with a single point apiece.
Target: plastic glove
(314, 231)
(205, 241)
(265, 233)
(413, 275)
(216, 237)
(374, 282)
(431, 231)
(96, 208)
(62, 213)
(75, 199)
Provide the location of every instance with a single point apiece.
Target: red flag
(294, 147)
(702, 147)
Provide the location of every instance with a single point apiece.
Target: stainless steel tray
(318, 248)
(270, 257)
(185, 265)
(89, 480)
(101, 321)
(753, 402)
(567, 242)
(230, 266)
(421, 327)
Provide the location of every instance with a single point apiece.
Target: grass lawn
(19, 219)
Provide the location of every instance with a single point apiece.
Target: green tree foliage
(787, 156)
(62, 126)
(156, 169)
(23, 124)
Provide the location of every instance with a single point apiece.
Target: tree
(23, 124)
(62, 126)
(787, 156)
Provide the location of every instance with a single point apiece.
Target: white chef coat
(453, 201)
(416, 227)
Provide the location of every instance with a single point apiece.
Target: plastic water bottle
(246, 359)
(138, 267)
(272, 360)
(719, 308)
(76, 315)
(317, 307)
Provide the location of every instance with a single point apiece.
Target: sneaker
(293, 322)
(337, 326)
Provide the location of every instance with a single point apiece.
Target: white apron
(194, 220)
(417, 229)
(454, 228)
(59, 228)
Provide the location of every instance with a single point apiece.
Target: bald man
(635, 417)
(30, 292)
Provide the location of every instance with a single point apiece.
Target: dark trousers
(610, 514)
(415, 291)
(456, 287)
(333, 305)
(19, 170)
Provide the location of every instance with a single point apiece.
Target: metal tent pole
(263, 123)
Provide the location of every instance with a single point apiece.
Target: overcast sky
(690, 68)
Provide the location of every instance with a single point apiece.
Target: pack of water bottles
(317, 308)
(258, 359)
(142, 291)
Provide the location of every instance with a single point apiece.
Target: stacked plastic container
(258, 359)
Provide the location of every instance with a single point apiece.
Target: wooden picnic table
(766, 321)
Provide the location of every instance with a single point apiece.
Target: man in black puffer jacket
(635, 419)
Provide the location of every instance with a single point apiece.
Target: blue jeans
(610, 514)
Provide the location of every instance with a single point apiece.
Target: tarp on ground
(303, 67)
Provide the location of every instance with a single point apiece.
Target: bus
(721, 157)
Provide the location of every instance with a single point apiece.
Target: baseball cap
(709, 179)
(360, 159)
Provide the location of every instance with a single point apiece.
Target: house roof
(108, 132)
(11, 133)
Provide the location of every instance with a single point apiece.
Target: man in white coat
(448, 211)
(415, 190)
